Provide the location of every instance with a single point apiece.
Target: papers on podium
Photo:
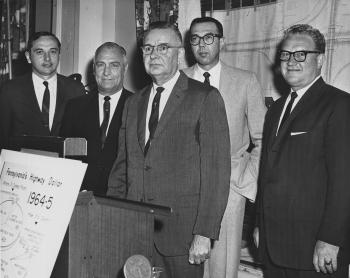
(37, 198)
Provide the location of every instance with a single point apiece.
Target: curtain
(252, 34)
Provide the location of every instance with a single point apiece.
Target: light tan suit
(245, 114)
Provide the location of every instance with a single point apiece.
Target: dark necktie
(104, 125)
(288, 109)
(153, 119)
(45, 108)
(206, 78)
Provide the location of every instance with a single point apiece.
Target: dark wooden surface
(104, 232)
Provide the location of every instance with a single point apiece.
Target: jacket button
(147, 168)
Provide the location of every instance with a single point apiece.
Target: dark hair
(208, 19)
(110, 45)
(305, 29)
(163, 25)
(40, 34)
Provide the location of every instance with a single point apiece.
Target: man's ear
(222, 42)
(28, 57)
(126, 68)
(320, 59)
(181, 56)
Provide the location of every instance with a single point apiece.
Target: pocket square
(297, 133)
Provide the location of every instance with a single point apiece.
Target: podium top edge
(86, 197)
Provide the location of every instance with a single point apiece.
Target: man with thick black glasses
(303, 207)
(245, 114)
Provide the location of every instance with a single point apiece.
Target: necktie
(153, 119)
(104, 125)
(289, 108)
(45, 108)
(206, 78)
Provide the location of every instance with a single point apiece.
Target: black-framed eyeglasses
(207, 38)
(299, 56)
(162, 48)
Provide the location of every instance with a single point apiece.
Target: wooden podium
(104, 232)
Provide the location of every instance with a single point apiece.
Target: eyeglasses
(160, 48)
(299, 56)
(207, 38)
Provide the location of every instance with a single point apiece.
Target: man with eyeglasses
(303, 203)
(245, 113)
(174, 151)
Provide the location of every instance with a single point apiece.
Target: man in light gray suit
(245, 113)
(174, 150)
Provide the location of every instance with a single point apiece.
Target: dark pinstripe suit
(304, 190)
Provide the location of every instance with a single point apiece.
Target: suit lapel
(93, 118)
(175, 98)
(117, 116)
(29, 94)
(304, 104)
(225, 80)
(59, 109)
(141, 115)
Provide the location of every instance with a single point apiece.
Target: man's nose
(201, 42)
(292, 60)
(107, 70)
(47, 56)
(154, 53)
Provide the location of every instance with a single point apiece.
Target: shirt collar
(38, 79)
(214, 71)
(169, 85)
(302, 91)
(114, 96)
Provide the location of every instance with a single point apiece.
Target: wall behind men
(83, 25)
(253, 34)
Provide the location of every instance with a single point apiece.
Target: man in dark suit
(303, 197)
(97, 116)
(245, 114)
(33, 104)
(174, 150)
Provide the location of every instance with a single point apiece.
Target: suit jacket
(245, 114)
(186, 167)
(81, 119)
(20, 112)
(304, 179)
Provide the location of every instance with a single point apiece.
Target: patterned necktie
(45, 108)
(104, 125)
(288, 109)
(206, 78)
(153, 119)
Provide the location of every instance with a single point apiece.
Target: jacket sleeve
(336, 217)
(67, 124)
(255, 113)
(117, 181)
(215, 166)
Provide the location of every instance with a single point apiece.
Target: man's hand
(200, 249)
(256, 236)
(325, 257)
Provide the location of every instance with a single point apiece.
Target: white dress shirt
(39, 89)
(113, 105)
(168, 87)
(214, 74)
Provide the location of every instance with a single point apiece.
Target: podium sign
(37, 198)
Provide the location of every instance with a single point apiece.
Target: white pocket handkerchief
(297, 133)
